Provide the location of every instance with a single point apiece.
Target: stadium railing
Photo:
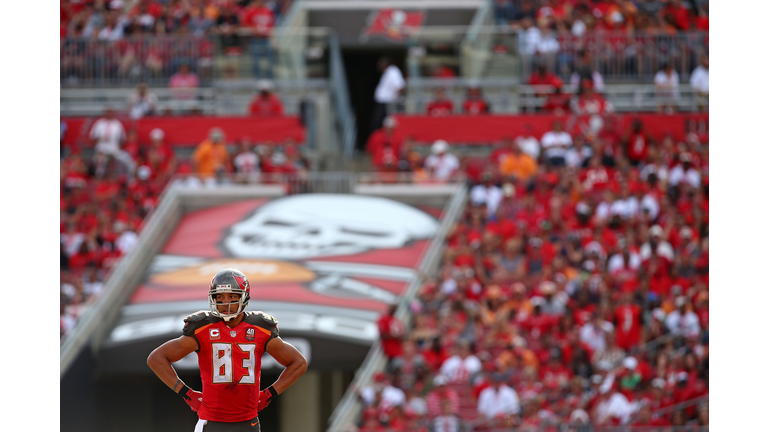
(488, 51)
(621, 57)
(508, 96)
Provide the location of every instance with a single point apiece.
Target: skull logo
(314, 225)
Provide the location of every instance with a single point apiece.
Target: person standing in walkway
(391, 84)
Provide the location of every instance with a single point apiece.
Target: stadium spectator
(258, 21)
(667, 83)
(266, 103)
(463, 365)
(685, 173)
(474, 103)
(542, 76)
(440, 395)
(391, 396)
(588, 102)
(447, 421)
(388, 90)
(246, 162)
(409, 366)
(440, 104)
(683, 321)
(498, 400)
(700, 82)
(578, 156)
(486, 193)
(385, 144)
(584, 70)
(594, 332)
(637, 143)
(557, 102)
(528, 143)
(556, 144)
(108, 133)
(211, 155)
(391, 332)
(441, 164)
(141, 102)
(183, 85)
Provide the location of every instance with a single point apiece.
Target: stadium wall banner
(191, 130)
(483, 130)
(325, 265)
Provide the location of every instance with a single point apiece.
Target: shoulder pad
(263, 320)
(197, 320)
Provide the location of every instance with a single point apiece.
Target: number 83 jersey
(230, 363)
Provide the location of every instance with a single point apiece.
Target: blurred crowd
(116, 19)
(109, 39)
(573, 291)
(579, 16)
(108, 189)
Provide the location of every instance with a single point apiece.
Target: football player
(229, 343)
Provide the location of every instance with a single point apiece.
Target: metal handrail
(345, 116)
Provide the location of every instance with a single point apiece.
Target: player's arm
(160, 361)
(172, 351)
(288, 356)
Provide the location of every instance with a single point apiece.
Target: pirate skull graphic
(315, 225)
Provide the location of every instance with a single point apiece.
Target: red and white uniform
(230, 363)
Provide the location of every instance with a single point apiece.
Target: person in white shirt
(626, 259)
(108, 133)
(583, 70)
(246, 163)
(683, 322)
(594, 332)
(528, 143)
(667, 83)
(556, 144)
(390, 395)
(615, 406)
(447, 420)
(685, 173)
(498, 399)
(700, 82)
(462, 366)
(486, 193)
(441, 164)
(578, 155)
(663, 248)
(531, 36)
(142, 102)
(387, 91)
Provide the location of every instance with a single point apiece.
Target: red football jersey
(230, 363)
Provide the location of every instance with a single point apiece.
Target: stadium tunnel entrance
(360, 66)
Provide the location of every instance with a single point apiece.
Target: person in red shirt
(440, 105)
(259, 20)
(474, 103)
(266, 103)
(383, 142)
(557, 102)
(542, 76)
(589, 102)
(230, 343)
(637, 140)
(391, 332)
(628, 322)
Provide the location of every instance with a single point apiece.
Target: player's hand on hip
(266, 396)
(192, 398)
